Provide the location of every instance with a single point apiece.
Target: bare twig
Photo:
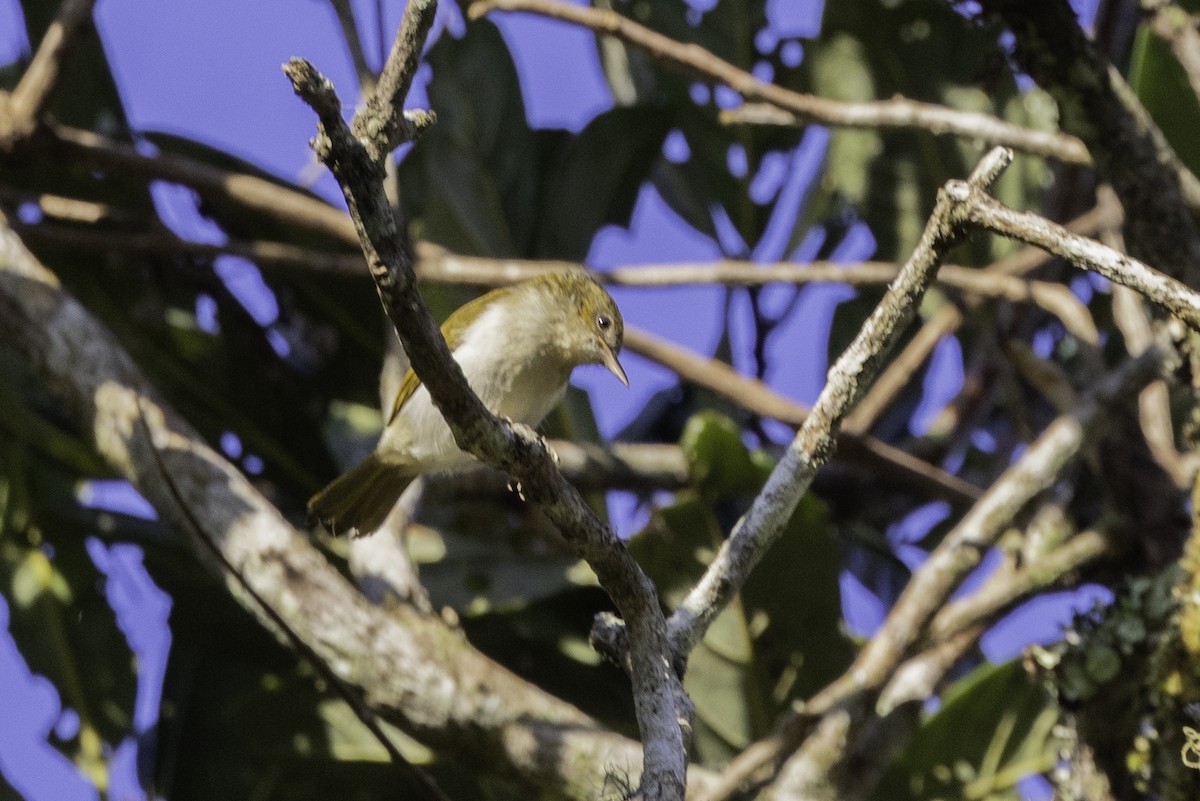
(20, 112)
(1159, 288)
(383, 124)
(355, 159)
(344, 10)
(895, 113)
(952, 631)
(947, 320)
(902, 369)
(759, 398)
(438, 264)
(963, 547)
(163, 241)
(1003, 591)
(815, 442)
(880, 670)
(902, 113)
(248, 191)
(618, 465)
(1154, 405)
(434, 263)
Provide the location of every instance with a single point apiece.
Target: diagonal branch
(988, 213)
(1130, 151)
(894, 463)
(848, 380)
(947, 320)
(247, 191)
(354, 154)
(833, 717)
(411, 669)
(20, 112)
(1174, 25)
(899, 113)
(859, 688)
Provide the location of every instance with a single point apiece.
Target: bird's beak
(609, 360)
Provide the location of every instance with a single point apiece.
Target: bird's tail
(358, 502)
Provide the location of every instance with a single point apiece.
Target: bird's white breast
(507, 358)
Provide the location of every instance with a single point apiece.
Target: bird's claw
(515, 486)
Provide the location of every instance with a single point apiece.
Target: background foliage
(241, 717)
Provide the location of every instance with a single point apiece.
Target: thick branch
(1129, 150)
(410, 668)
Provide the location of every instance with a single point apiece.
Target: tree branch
(1129, 149)
(959, 552)
(952, 631)
(248, 191)
(21, 111)
(848, 379)
(902, 113)
(899, 113)
(947, 320)
(354, 154)
(757, 397)
(1088, 254)
(1175, 26)
(410, 668)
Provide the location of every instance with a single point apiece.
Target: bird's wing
(454, 329)
(407, 387)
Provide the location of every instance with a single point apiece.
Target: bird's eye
(604, 322)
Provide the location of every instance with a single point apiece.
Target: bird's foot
(514, 485)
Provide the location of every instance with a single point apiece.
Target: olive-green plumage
(517, 347)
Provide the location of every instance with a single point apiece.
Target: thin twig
(344, 9)
(962, 548)
(899, 113)
(21, 111)
(948, 318)
(1159, 288)
(248, 191)
(434, 263)
(902, 113)
(355, 159)
(1159, 193)
(1003, 591)
(757, 397)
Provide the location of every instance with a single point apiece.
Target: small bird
(517, 346)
